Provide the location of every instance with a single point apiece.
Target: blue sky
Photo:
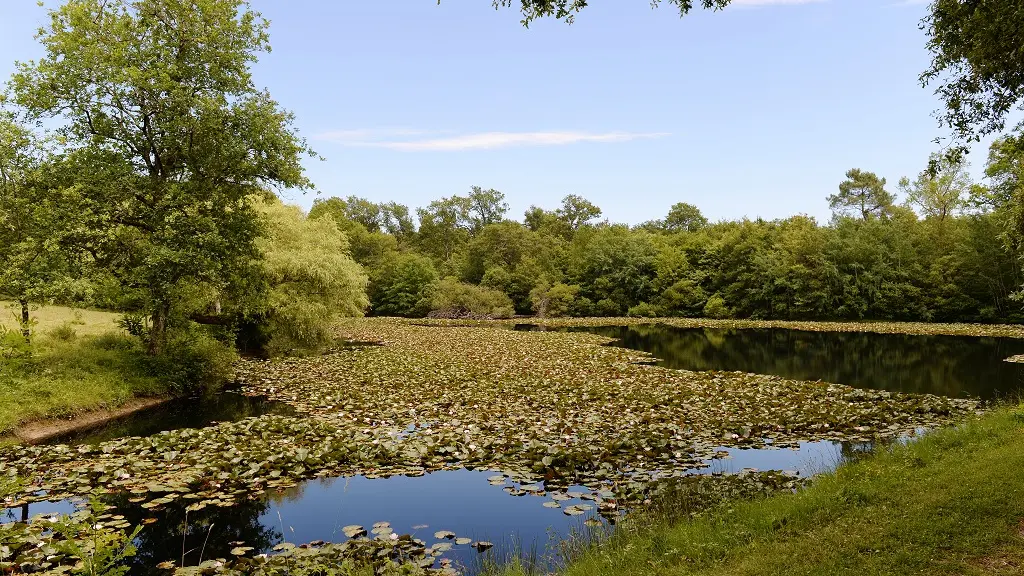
(757, 110)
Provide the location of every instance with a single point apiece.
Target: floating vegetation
(88, 541)
(1017, 358)
(545, 411)
(923, 328)
(400, 555)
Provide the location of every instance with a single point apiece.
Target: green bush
(13, 345)
(607, 307)
(644, 310)
(111, 341)
(135, 324)
(583, 307)
(64, 332)
(454, 299)
(194, 361)
(401, 285)
(716, 308)
(554, 300)
(684, 298)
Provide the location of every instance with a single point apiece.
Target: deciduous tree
(170, 137)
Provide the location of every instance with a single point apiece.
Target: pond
(184, 413)
(953, 366)
(512, 511)
(472, 504)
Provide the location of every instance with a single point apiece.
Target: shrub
(401, 286)
(683, 298)
(583, 307)
(716, 308)
(554, 301)
(64, 332)
(453, 299)
(115, 342)
(607, 307)
(135, 324)
(194, 361)
(644, 310)
(13, 345)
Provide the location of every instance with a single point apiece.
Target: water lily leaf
(353, 531)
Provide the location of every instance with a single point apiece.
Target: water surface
(463, 501)
(196, 412)
(953, 366)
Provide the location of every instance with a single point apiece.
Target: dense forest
(937, 247)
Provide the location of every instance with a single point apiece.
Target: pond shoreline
(880, 327)
(955, 489)
(39, 431)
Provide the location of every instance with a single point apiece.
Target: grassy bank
(950, 503)
(78, 361)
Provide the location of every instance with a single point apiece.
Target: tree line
(938, 247)
(139, 165)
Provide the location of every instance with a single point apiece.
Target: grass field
(79, 360)
(950, 503)
(85, 322)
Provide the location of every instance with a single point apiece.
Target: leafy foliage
(312, 280)
(402, 285)
(862, 193)
(453, 299)
(976, 52)
(166, 137)
(567, 9)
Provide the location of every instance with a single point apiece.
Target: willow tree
(313, 281)
(168, 136)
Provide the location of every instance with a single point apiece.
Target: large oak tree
(168, 138)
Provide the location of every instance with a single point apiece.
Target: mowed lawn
(79, 360)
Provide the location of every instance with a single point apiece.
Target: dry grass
(85, 322)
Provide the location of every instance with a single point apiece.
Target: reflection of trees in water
(209, 533)
(186, 413)
(946, 365)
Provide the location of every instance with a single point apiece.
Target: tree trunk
(158, 331)
(25, 328)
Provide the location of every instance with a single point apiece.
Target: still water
(184, 413)
(463, 501)
(953, 366)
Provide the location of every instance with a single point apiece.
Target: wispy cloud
(421, 141)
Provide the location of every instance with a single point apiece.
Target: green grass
(949, 503)
(46, 318)
(77, 362)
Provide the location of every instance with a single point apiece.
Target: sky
(757, 110)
